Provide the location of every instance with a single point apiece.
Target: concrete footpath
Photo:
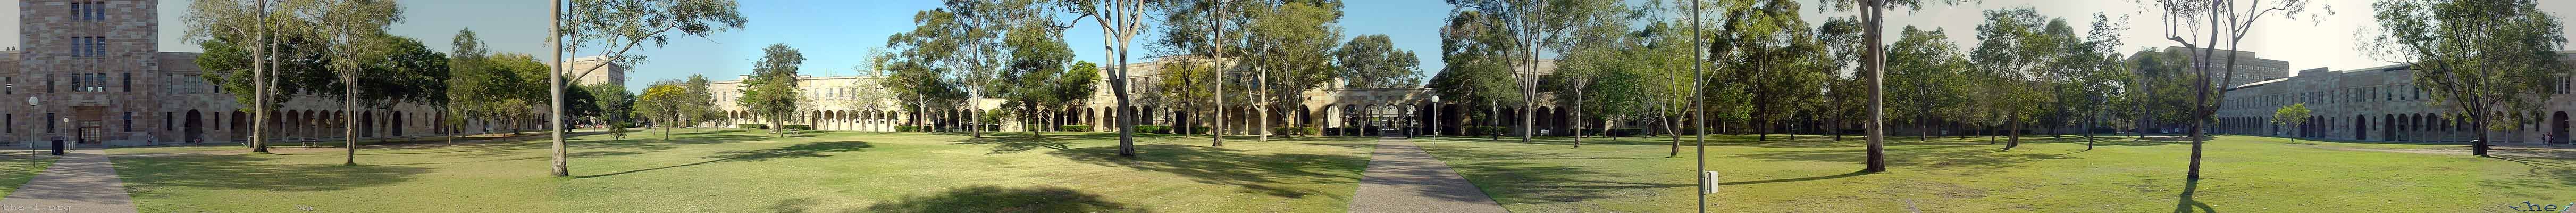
(1402, 178)
(81, 181)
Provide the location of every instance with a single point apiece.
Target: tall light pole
(1699, 115)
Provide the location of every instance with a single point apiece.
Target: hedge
(1073, 128)
(751, 126)
(907, 128)
(798, 127)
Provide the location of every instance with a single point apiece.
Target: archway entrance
(2558, 127)
(196, 128)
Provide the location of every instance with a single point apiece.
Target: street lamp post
(1435, 115)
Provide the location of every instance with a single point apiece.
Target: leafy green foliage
(1372, 61)
(771, 91)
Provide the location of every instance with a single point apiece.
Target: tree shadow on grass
(142, 175)
(1016, 144)
(1522, 182)
(2544, 173)
(1261, 173)
(998, 199)
(1844, 175)
(2187, 204)
(1507, 181)
(1928, 156)
(806, 150)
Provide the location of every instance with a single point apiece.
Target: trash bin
(58, 147)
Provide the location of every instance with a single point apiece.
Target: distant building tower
(596, 70)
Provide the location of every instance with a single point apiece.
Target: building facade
(2250, 67)
(837, 105)
(595, 70)
(2380, 104)
(90, 71)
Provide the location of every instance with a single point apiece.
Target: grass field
(18, 166)
(1817, 174)
(746, 171)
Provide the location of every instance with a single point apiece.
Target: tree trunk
(2015, 139)
(554, 78)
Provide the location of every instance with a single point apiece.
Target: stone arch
(366, 124)
(195, 130)
(240, 126)
(397, 125)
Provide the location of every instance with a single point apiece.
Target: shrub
(751, 126)
(797, 127)
(1154, 129)
(1296, 131)
(1626, 132)
(1199, 129)
(1487, 130)
(1074, 128)
(907, 128)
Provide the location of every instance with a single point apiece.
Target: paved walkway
(1401, 178)
(81, 181)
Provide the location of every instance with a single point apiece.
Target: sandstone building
(90, 71)
(2380, 104)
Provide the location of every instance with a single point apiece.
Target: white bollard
(1709, 183)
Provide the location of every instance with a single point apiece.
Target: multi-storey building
(595, 70)
(2249, 67)
(90, 71)
(2380, 104)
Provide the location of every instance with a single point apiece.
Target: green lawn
(1816, 174)
(17, 167)
(746, 171)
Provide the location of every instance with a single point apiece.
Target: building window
(93, 82)
(8, 86)
(89, 46)
(129, 121)
(49, 124)
(166, 121)
(10, 125)
(125, 80)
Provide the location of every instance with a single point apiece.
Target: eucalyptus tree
(617, 27)
(976, 29)
(702, 101)
(1772, 58)
(1292, 44)
(1534, 25)
(351, 28)
(771, 92)
(240, 46)
(1038, 57)
(1475, 65)
(2226, 20)
(1873, 19)
(2479, 58)
(1372, 61)
(1927, 69)
(1198, 28)
(409, 72)
(2015, 47)
(1120, 21)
